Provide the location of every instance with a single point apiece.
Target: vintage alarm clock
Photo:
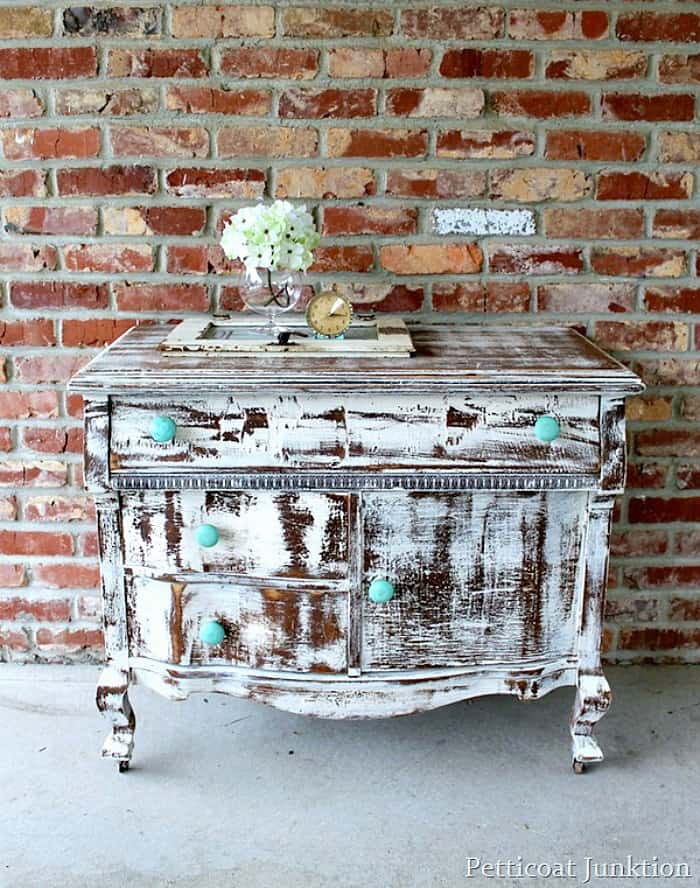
(329, 315)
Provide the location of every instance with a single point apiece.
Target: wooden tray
(384, 337)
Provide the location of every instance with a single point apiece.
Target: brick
(112, 180)
(106, 101)
(48, 368)
(323, 103)
(533, 259)
(662, 576)
(186, 259)
(338, 259)
(108, 258)
(54, 63)
(690, 407)
(348, 62)
(479, 221)
(57, 294)
(644, 186)
(342, 182)
(159, 141)
(12, 576)
(630, 106)
(494, 296)
(161, 297)
(89, 607)
(207, 100)
(680, 68)
(634, 543)
(44, 144)
(435, 101)
(270, 62)
(453, 23)
(631, 610)
(368, 220)
(35, 542)
(93, 333)
(540, 103)
(382, 297)
(25, 21)
(688, 542)
(543, 24)
(645, 475)
(267, 141)
(497, 144)
(75, 406)
(684, 609)
(638, 261)
(532, 184)
(203, 182)
(668, 442)
(25, 257)
(22, 183)
(182, 220)
(376, 143)
(68, 576)
(26, 404)
(641, 335)
(22, 219)
(6, 445)
(32, 332)
(156, 63)
(8, 506)
(678, 147)
(670, 371)
(464, 258)
(436, 183)
(679, 224)
(47, 610)
(588, 297)
(488, 63)
(587, 223)
(663, 510)
(33, 473)
(88, 544)
(90, 21)
(584, 64)
(681, 27)
(59, 508)
(20, 103)
(69, 641)
(223, 21)
(309, 21)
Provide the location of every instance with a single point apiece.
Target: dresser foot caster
(592, 702)
(579, 767)
(113, 702)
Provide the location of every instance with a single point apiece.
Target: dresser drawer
(252, 533)
(372, 433)
(485, 577)
(264, 626)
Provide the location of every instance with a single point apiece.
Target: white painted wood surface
(426, 473)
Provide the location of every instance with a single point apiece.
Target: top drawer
(373, 433)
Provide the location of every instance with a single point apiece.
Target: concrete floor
(230, 794)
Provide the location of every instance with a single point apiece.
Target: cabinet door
(483, 577)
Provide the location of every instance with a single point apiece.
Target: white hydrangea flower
(275, 236)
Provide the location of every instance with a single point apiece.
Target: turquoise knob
(211, 633)
(162, 429)
(207, 535)
(380, 591)
(547, 429)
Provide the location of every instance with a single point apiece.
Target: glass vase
(271, 294)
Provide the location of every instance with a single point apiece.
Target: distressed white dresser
(353, 538)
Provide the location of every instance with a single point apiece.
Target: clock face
(329, 314)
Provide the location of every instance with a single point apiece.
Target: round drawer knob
(162, 429)
(212, 633)
(207, 535)
(380, 591)
(547, 429)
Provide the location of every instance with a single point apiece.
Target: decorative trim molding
(428, 481)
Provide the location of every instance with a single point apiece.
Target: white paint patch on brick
(475, 220)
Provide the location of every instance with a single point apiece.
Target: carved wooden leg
(113, 703)
(592, 702)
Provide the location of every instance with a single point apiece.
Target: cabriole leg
(592, 702)
(113, 702)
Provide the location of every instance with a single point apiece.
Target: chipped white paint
(477, 220)
(499, 584)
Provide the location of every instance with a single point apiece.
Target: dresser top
(448, 357)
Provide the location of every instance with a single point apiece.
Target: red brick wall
(492, 160)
